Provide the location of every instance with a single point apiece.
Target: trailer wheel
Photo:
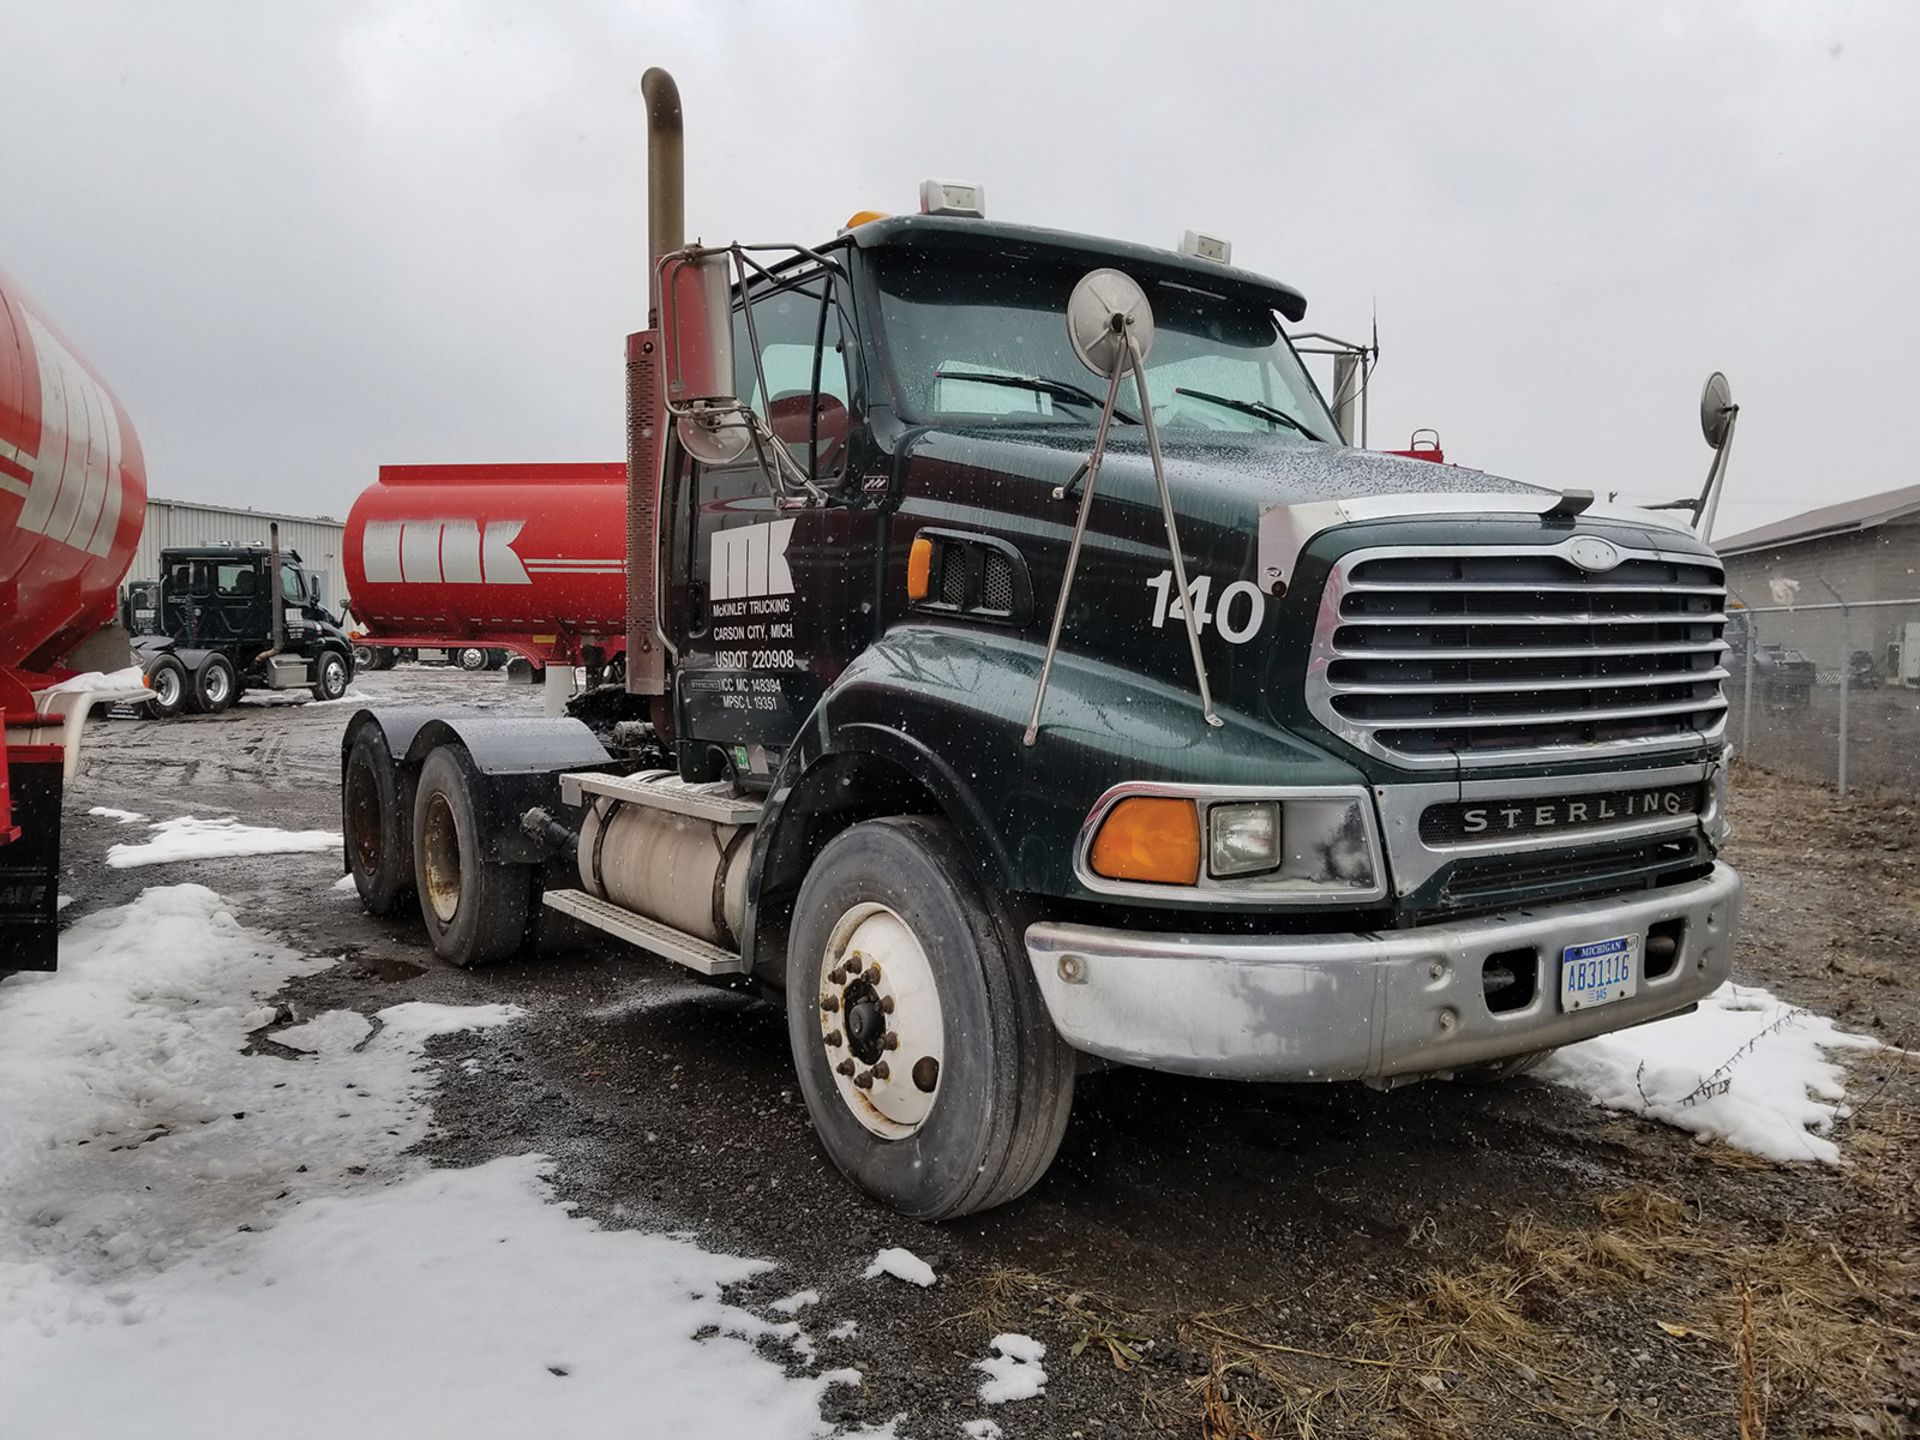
(934, 1077)
(476, 910)
(213, 686)
(366, 657)
(329, 675)
(375, 816)
(167, 679)
(471, 657)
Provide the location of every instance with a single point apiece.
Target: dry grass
(1760, 1326)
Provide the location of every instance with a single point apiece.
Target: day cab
(1025, 673)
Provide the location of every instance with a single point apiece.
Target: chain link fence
(1828, 691)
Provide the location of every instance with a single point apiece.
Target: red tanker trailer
(528, 558)
(73, 496)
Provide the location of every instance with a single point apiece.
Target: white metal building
(185, 522)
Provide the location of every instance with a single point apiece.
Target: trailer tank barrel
(73, 496)
(492, 554)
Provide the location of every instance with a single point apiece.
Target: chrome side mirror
(1717, 410)
(696, 335)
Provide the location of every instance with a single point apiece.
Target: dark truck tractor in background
(1022, 668)
(221, 624)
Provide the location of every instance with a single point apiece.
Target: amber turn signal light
(919, 567)
(1147, 837)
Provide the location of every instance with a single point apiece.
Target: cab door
(765, 602)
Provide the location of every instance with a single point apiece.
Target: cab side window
(787, 322)
(291, 588)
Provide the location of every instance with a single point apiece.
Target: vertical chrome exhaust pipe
(666, 180)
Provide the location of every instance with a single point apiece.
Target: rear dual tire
(975, 1091)
(477, 911)
(169, 687)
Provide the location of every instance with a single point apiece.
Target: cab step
(663, 940)
(664, 790)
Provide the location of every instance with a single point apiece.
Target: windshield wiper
(1058, 389)
(1258, 409)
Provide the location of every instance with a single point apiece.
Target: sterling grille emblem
(1593, 555)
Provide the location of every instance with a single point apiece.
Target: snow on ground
(1013, 1371)
(902, 1265)
(796, 1302)
(333, 1033)
(191, 838)
(107, 812)
(981, 1430)
(1745, 1068)
(345, 882)
(184, 1226)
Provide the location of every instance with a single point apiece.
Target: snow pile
(191, 838)
(796, 1302)
(107, 812)
(981, 1430)
(130, 678)
(1745, 1068)
(902, 1265)
(1013, 1371)
(178, 1218)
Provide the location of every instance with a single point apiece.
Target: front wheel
(329, 675)
(933, 1074)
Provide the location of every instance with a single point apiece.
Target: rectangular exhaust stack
(646, 410)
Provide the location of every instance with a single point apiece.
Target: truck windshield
(1217, 362)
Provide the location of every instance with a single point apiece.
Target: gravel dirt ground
(1204, 1259)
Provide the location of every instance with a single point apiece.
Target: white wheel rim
(216, 686)
(167, 687)
(880, 1019)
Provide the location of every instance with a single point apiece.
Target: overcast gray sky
(304, 240)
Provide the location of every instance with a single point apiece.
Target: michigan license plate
(1599, 972)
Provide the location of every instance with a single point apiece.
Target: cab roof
(953, 232)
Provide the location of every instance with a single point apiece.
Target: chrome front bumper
(1362, 1006)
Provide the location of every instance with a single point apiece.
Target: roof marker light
(1206, 247)
(953, 197)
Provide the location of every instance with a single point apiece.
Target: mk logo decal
(749, 561)
(451, 552)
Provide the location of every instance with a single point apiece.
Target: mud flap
(30, 865)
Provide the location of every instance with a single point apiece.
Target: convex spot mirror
(1105, 306)
(1716, 410)
(696, 323)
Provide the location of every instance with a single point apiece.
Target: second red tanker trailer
(73, 496)
(527, 558)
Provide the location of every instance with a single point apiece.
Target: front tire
(329, 675)
(476, 911)
(933, 1074)
(375, 811)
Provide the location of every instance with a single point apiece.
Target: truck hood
(1211, 470)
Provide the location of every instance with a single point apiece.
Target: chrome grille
(1433, 657)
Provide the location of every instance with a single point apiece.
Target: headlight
(1281, 845)
(1243, 839)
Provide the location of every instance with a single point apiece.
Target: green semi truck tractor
(1025, 673)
